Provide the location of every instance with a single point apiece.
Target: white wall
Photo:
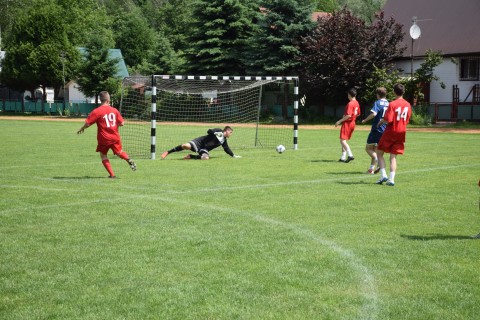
(448, 72)
(75, 95)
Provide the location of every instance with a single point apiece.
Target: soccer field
(268, 236)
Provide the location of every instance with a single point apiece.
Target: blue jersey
(379, 107)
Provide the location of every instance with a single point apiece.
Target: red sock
(106, 164)
(123, 155)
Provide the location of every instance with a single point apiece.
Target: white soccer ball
(280, 148)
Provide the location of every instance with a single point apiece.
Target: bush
(421, 116)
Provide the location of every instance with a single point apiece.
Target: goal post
(162, 111)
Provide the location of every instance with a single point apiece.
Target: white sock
(383, 172)
(372, 166)
(349, 152)
(392, 176)
(344, 155)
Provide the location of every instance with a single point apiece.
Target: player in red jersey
(396, 117)
(348, 125)
(107, 119)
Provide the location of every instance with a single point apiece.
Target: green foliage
(421, 115)
(34, 49)
(97, 71)
(220, 31)
(379, 78)
(343, 50)
(134, 37)
(422, 75)
(273, 48)
(325, 5)
(364, 9)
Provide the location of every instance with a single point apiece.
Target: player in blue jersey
(376, 113)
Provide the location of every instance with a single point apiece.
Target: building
(450, 27)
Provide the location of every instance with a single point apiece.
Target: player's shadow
(343, 173)
(353, 182)
(323, 161)
(80, 178)
(436, 236)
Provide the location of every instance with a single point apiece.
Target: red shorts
(391, 145)
(347, 130)
(116, 148)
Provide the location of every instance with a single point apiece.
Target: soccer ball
(280, 148)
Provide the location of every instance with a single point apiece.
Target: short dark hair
(382, 92)
(227, 128)
(352, 92)
(399, 89)
(104, 96)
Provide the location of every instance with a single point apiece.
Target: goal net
(162, 112)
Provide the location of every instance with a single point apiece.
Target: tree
(34, 48)
(219, 36)
(134, 37)
(342, 52)
(325, 5)
(98, 71)
(364, 9)
(273, 49)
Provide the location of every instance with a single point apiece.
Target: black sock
(177, 148)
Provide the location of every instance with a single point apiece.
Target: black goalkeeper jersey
(212, 140)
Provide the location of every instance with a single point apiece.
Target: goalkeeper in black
(203, 145)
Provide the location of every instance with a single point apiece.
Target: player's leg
(204, 155)
(393, 168)
(106, 164)
(186, 146)
(381, 164)
(371, 151)
(117, 150)
(345, 134)
(343, 158)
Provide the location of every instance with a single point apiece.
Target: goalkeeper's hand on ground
(237, 157)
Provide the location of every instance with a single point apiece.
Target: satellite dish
(415, 31)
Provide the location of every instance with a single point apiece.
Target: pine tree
(221, 29)
(273, 48)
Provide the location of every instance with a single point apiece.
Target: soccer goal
(162, 111)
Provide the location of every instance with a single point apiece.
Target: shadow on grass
(436, 237)
(323, 161)
(80, 178)
(346, 173)
(354, 182)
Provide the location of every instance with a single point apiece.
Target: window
(469, 68)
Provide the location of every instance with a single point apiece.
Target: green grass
(268, 236)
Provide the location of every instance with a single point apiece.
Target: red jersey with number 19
(398, 116)
(107, 119)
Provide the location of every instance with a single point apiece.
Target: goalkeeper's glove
(237, 157)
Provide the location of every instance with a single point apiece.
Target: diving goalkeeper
(203, 145)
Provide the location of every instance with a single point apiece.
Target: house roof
(122, 70)
(447, 26)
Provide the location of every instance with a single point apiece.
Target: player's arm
(370, 116)
(229, 151)
(344, 118)
(85, 126)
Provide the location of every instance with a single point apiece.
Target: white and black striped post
(153, 133)
(295, 113)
